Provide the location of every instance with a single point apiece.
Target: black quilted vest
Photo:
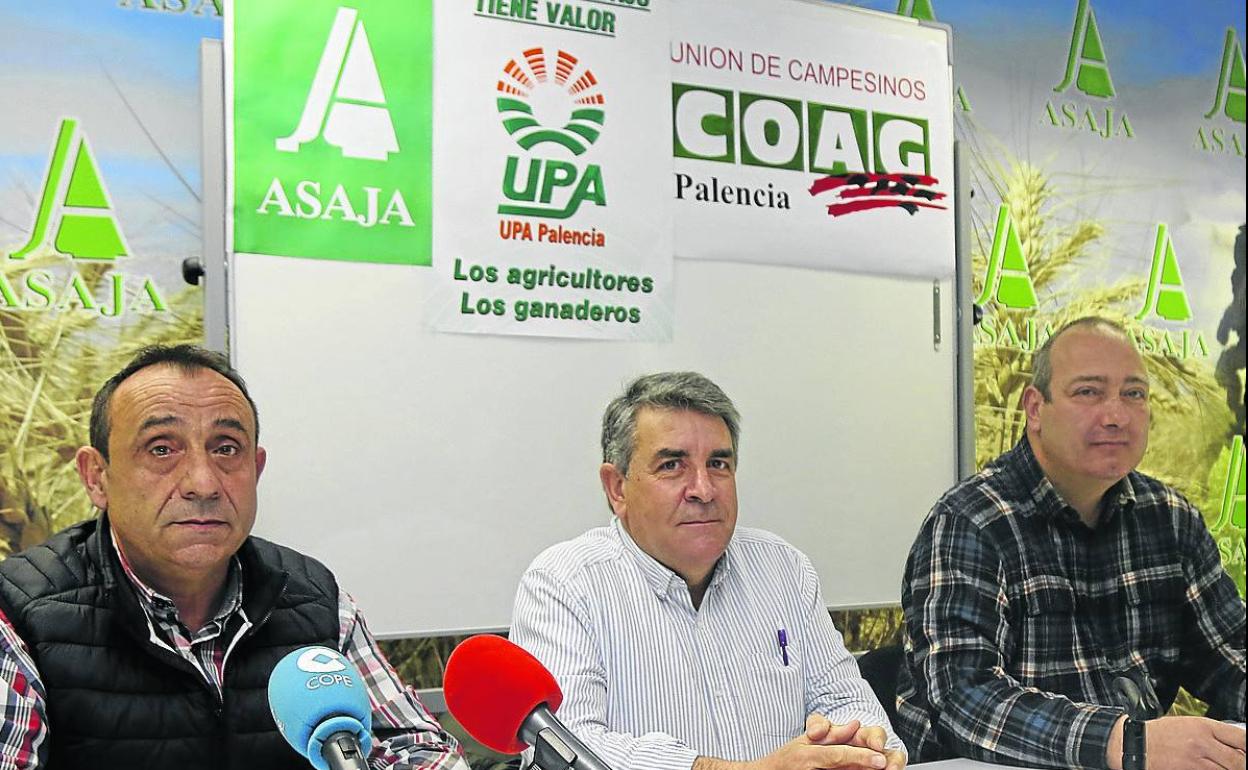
(115, 700)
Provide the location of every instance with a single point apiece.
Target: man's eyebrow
(230, 422)
(728, 453)
(671, 453)
(1089, 378)
(1137, 379)
(158, 422)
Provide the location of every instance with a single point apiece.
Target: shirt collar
(663, 581)
(157, 605)
(1119, 498)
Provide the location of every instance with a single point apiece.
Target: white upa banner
(813, 135)
(552, 210)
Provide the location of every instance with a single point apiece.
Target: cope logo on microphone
(326, 664)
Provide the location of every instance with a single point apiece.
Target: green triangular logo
(1233, 495)
(1086, 64)
(1009, 279)
(74, 203)
(1229, 98)
(1166, 296)
(916, 9)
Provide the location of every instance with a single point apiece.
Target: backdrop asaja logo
(1229, 97)
(75, 212)
(1009, 279)
(550, 105)
(75, 218)
(346, 104)
(1233, 492)
(332, 142)
(1087, 69)
(1166, 297)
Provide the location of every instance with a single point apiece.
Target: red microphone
(505, 698)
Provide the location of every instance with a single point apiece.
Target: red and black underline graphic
(862, 191)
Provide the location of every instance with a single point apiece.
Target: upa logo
(550, 104)
(1087, 69)
(1009, 280)
(1233, 504)
(75, 214)
(1228, 103)
(1166, 297)
(346, 104)
(75, 219)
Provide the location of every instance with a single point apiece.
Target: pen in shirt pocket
(782, 639)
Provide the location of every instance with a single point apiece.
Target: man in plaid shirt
(1036, 583)
(145, 638)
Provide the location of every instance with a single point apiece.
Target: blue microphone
(321, 707)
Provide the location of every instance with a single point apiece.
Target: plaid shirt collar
(161, 609)
(1022, 464)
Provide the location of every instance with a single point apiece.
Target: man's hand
(821, 731)
(836, 751)
(1184, 743)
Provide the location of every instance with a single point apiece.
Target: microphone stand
(342, 752)
(553, 745)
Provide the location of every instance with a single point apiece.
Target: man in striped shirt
(145, 637)
(1058, 569)
(680, 640)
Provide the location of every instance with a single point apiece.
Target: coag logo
(1087, 69)
(75, 212)
(550, 105)
(1233, 494)
(1229, 98)
(346, 104)
(1166, 296)
(1008, 280)
(75, 218)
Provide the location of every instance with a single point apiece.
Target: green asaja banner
(330, 129)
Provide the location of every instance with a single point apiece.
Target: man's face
(679, 500)
(1094, 429)
(180, 482)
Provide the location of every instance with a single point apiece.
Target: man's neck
(196, 594)
(1087, 497)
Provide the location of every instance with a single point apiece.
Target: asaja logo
(916, 9)
(1087, 69)
(1233, 496)
(1166, 300)
(1008, 281)
(346, 104)
(1228, 102)
(554, 105)
(1229, 98)
(1166, 297)
(332, 147)
(75, 219)
(74, 204)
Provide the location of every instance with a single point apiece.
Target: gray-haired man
(681, 641)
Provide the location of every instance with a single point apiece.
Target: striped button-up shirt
(1019, 617)
(408, 736)
(651, 683)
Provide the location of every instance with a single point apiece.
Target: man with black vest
(145, 638)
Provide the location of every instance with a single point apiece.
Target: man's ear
(262, 457)
(93, 471)
(613, 485)
(1032, 399)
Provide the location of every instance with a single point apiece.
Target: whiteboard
(427, 470)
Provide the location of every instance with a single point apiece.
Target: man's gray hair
(1042, 360)
(664, 390)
